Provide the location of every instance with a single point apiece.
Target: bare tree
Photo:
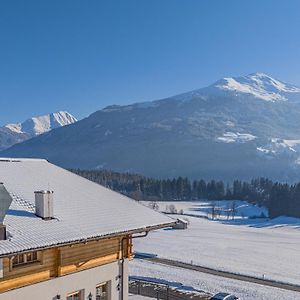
(172, 209)
(167, 208)
(136, 195)
(154, 205)
(228, 210)
(217, 212)
(233, 209)
(213, 210)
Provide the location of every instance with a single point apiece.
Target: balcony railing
(161, 291)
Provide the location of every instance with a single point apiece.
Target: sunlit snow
(259, 85)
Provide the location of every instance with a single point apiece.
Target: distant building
(64, 237)
(180, 224)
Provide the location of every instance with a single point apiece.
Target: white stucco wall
(86, 280)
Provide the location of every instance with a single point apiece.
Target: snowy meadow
(247, 245)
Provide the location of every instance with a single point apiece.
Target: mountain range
(12, 134)
(238, 127)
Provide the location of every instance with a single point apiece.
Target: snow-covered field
(256, 247)
(243, 209)
(190, 280)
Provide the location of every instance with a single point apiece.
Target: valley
(260, 248)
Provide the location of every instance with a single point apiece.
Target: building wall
(61, 261)
(31, 273)
(1, 267)
(86, 279)
(83, 256)
(180, 225)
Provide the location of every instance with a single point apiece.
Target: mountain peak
(11, 134)
(41, 124)
(259, 85)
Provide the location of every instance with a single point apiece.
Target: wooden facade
(64, 260)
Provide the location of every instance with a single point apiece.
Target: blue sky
(81, 56)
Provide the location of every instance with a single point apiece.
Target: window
(75, 296)
(22, 259)
(102, 291)
(31, 257)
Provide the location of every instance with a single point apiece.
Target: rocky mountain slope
(240, 127)
(11, 134)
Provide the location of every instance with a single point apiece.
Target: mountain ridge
(206, 133)
(14, 133)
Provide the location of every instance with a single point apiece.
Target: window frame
(107, 291)
(79, 293)
(27, 258)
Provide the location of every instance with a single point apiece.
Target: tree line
(279, 198)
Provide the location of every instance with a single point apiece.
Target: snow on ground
(204, 208)
(292, 143)
(255, 247)
(259, 85)
(190, 280)
(17, 128)
(232, 137)
(280, 146)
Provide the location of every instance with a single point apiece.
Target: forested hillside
(238, 127)
(279, 198)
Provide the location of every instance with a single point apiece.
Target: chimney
(44, 204)
(5, 202)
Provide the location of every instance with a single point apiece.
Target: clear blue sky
(83, 55)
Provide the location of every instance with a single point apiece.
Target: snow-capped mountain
(41, 124)
(260, 86)
(11, 134)
(238, 127)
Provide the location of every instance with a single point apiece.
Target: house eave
(95, 238)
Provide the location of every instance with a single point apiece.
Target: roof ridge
(10, 159)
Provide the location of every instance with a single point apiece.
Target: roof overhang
(96, 238)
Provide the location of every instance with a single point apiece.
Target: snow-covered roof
(83, 210)
(181, 220)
